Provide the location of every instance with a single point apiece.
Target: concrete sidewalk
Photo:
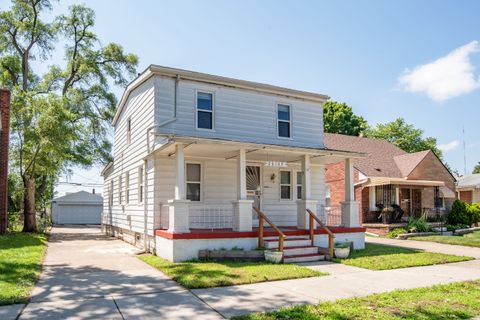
(87, 275)
(344, 282)
(428, 246)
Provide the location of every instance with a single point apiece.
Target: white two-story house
(203, 161)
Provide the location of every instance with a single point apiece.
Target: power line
(81, 184)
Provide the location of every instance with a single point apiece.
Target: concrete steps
(296, 249)
(304, 258)
(289, 242)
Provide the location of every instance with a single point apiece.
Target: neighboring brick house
(417, 182)
(468, 188)
(4, 136)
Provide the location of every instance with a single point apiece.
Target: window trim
(120, 190)
(283, 184)
(129, 131)
(140, 194)
(127, 187)
(198, 110)
(299, 196)
(196, 182)
(290, 108)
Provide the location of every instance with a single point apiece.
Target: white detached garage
(77, 208)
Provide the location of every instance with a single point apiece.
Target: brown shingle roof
(384, 159)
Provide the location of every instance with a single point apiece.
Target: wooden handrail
(261, 218)
(331, 235)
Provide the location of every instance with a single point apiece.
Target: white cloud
(445, 78)
(449, 146)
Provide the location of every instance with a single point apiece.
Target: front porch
(218, 184)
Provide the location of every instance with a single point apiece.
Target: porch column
(372, 198)
(242, 218)
(306, 202)
(178, 214)
(397, 195)
(350, 207)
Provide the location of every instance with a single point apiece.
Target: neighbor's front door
(254, 189)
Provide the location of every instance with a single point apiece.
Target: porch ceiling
(212, 148)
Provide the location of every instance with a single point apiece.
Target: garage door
(78, 214)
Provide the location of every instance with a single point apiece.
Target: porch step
(295, 251)
(304, 258)
(288, 243)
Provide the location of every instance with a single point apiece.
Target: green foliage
(395, 232)
(463, 213)
(14, 222)
(342, 245)
(405, 136)
(469, 239)
(455, 227)
(339, 118)
(476, 169)
(418, 225)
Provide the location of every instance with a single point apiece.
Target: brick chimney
(4, 138)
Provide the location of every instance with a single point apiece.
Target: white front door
(254, 188)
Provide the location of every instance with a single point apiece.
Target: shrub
(418, 225)
(455, 227)
(458, 213)
(14, 221)
(473, 213)
(395, 232)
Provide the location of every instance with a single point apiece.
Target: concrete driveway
(87, 275)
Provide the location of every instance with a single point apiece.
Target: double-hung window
(204, 110)
(194, 177)
(127, 187)
(140, 184)
(299, 184)
(120, 190)
(285, 185)
(284, 121)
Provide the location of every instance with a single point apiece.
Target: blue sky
(354, 51)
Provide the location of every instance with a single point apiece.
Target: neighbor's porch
(216, 184)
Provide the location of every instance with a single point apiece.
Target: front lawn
(469, 239)
(21, 257)
(381, 257)
(451, 301)
(198, 274)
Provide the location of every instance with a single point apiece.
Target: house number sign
(277, 164)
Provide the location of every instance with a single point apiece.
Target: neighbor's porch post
(349, 206)
(242, 219)
(178, 213)
(306, 202)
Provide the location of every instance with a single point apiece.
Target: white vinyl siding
(299, 184)
(127, 187)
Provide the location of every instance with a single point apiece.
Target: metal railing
(330, 216)
(211, 216)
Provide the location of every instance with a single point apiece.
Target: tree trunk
(29, 219)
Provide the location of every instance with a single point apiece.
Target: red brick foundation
(4, 138)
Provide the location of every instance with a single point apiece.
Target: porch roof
(227, 149)
(381, 181)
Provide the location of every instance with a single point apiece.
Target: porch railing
(331, 215)
(261, 218)
(211, 216)
(331, 236)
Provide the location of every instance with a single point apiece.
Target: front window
(285, 185)
(194, 174)
(204, 110)
(299, 185)
(283, 116)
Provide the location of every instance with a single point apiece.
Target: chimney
(93, 191)
(4, 138)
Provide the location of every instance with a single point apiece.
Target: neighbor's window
(194, 175)
(285, 185)
(129, 131)
(120, 188)
(283, 116)
(204, 110)
(127, 187)
(299, 184)
(327, 196)
(140, 184)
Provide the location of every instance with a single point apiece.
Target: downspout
(145, 185)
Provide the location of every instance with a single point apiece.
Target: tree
(476, 169)
(59, 118)
(339, 118)
(405, 136)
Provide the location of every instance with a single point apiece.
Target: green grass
(199, 274)
(469, 239)
(21, 257)
(381, 257)
(452, 301)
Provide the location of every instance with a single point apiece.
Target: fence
(330, 216)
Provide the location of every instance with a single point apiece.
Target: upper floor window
(194, 181)
(284, 122)
(129, 130)
(204, 110)
(285, 185)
